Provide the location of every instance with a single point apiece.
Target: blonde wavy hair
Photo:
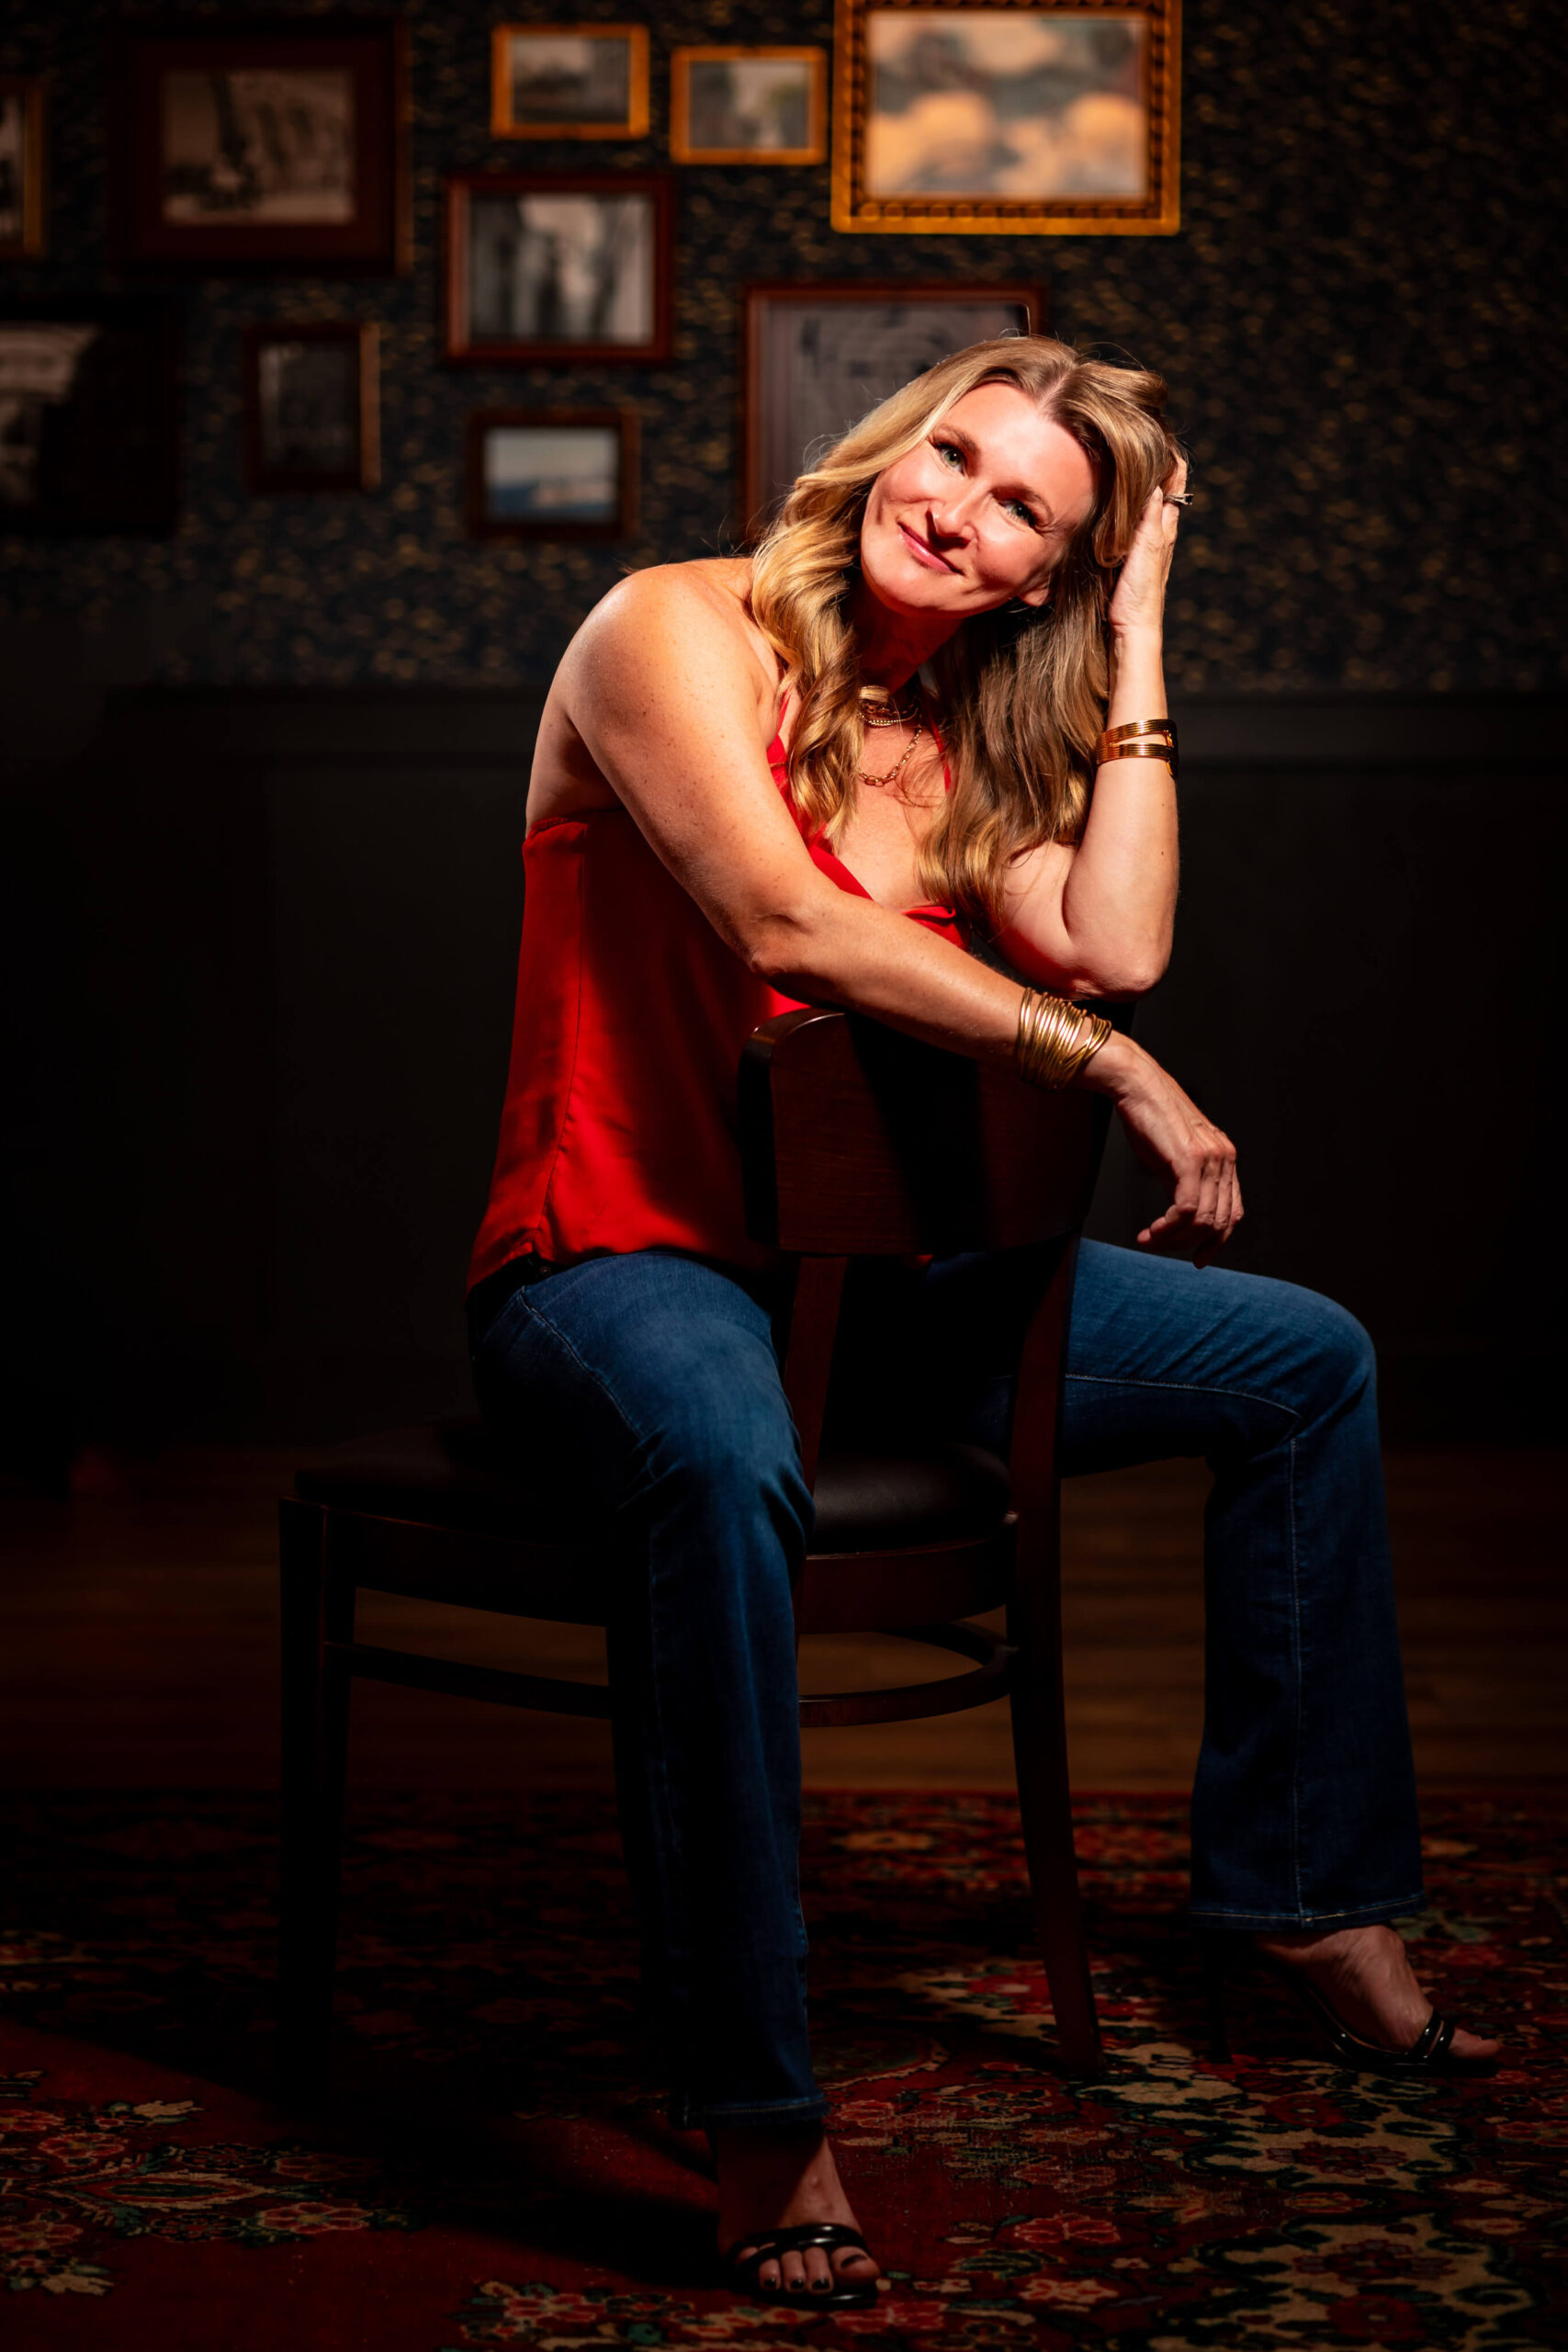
(1021, 692)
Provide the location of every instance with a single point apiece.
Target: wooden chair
(856, 1141)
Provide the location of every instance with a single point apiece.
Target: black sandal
(744, 2270)
(1431, 2053)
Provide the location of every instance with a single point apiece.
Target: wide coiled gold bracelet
(1144, 738)
(1056, 1038)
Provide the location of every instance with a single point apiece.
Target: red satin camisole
(618, 1129)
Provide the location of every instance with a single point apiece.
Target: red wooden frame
(372, 50)
(461, 350)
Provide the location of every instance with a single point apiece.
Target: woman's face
(980, 512)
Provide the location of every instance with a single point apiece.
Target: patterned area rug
(494, 2171)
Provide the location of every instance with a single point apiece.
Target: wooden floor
(137, 1641)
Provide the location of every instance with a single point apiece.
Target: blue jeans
(646, 1388)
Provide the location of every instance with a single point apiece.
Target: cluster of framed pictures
(280, 145)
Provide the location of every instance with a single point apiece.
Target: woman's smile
(923, 551)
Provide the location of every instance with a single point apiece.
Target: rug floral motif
(487, 2004)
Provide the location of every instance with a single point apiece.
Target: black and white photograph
(557, 268)
(550, 474)
(310, 406)
(21, 168)
(260, 145)
(1021, 116)
(819, 357)
(748, 106)
(267, 144)
(87, 421)
(568, 81)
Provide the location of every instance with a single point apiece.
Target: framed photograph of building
(568, 81)
(275, 144)
(819, 357)
(565, 267)
(552, 473)
(88, 419)
(21, 168)
(1004, 117)
(748, 106)
(313, 407)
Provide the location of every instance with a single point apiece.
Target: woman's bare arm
(1097, 920)
(661, 684)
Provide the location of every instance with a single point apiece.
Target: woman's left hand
(1137, 608)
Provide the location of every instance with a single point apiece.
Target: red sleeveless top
(618, 1129)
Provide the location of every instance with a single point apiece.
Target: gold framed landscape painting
(748, 106)
(998, 117)
(568, 81)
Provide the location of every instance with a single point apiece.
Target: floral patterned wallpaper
(1356, 321)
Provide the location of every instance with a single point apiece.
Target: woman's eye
(946, 449)
(1016, 506)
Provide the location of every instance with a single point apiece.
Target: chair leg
(1044, 1794)
(315, 1612)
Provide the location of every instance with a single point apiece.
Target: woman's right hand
(1169, 1134)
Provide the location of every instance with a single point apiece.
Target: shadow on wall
(263, 957)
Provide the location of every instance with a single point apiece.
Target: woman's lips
(922, 551)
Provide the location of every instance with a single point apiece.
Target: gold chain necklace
(902, 762)
(879, 708)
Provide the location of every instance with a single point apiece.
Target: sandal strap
(1432, 2042)
(767, 2244)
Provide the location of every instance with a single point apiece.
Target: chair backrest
(857, 1141)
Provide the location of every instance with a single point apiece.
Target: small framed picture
(313, 409)
(21, 169)
(88, 419)
(269, 145)
(748, 106)
(552, 473)
(568, 81)
(1001, 117)
(819, 357)
(557, 268)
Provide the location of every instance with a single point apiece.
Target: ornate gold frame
(1157, 215)
(681, 148)
(29, 89)
(501, 123)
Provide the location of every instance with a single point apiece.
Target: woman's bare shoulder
(687, 620)
(652, 612)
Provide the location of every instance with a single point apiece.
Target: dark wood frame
(853, 1140)
(482, 421)
(30, 88)
(366, 474)
(755, 489)
(373, 48)
(682, 151)
(1158, 214)
(138, 485)
(461, 351)
(501, 123)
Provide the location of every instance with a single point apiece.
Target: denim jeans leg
(1303, 1809)
(647, 1385)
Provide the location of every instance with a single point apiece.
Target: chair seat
(454, 1475)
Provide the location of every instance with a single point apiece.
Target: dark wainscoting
(261, 985)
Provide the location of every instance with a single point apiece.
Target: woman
(929, 715)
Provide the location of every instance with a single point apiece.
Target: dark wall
(265, 946)
(264, 901)
(1360, 320)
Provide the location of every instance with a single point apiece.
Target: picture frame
(568, 81)
(543, 267)
(261, 144)
(23, 131)
(312, 405)
(817, 357)
(89, 418)
(996, 118)
(748, 106)
(550, 473)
